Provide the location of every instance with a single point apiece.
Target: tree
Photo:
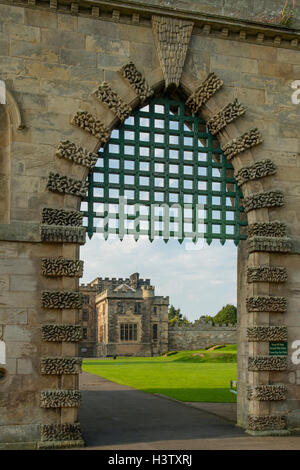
(227, 314)
(176, 317)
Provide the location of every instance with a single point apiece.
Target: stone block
(44, 70)
(107, 45)
(78, 57)
(67, 22)
(24, 366)
(12, 14)
(244, 65)
(22, 32)
(98, 28)
(18, 333)
(34, 51)
(63, 39)
(40, 18)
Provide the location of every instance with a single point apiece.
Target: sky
(198, 281)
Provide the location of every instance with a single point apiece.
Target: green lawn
(187, 375)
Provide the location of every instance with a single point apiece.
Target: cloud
(198, 282)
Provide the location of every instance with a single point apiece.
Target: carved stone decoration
(172, 37)
(137, 81)
(59, 234)
(265, 303)
(240, 144)
(263, 200)
(228, 114)
(61, 217)
(267, 392)
(89, 123)
(264, 423)
(267, 333)
(14, 111)
(258, 170)
(60, 398)
(67, 185)
(258, 363)
(266, 274)
(61, 432)
(60, 299)
(105, 94)
(58, 267)
(60, 365)
(267, 229)
(59, 333)
(204, 92)
(79, 155)
(269, 244)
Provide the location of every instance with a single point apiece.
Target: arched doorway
(162, 174)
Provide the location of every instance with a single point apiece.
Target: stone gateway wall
(53, 57)
(189, 338)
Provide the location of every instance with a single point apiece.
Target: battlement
(202, 326)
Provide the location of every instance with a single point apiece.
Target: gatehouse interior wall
(52, 58)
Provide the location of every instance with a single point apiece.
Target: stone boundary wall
(185, 338)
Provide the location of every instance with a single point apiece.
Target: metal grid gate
(162, 174)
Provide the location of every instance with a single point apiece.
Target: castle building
(123, 317)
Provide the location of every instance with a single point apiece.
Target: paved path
(118, 417)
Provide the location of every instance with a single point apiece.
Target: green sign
(278, 349)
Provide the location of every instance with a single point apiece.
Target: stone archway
(56, 258)
(264, 236)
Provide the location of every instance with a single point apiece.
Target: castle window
(154, 331)
(154, 309)
(128, 332)
(86, 299)
(84, 333)
(85, 315)
(137, 308)
(120, 307)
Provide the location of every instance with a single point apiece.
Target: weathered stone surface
(59, 332)
(263, 423)
(77, 154)
(58, 267)
(263, 200)
(267, 333)
(269, 244)
(60, 299)
(105, 94)
(198, 336)
(172, 37)
(137, 81)
(265, 303)
(258, 170)
(204, 92)
(60, 365)
(267, 229)
(228, 114)
(60, 398)
(266, 274)
(66, 184)
(259, 363)
(61, 432)
(89, 123)
(63, 234)
(61, 217)
(240, 144)
(267, 392)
